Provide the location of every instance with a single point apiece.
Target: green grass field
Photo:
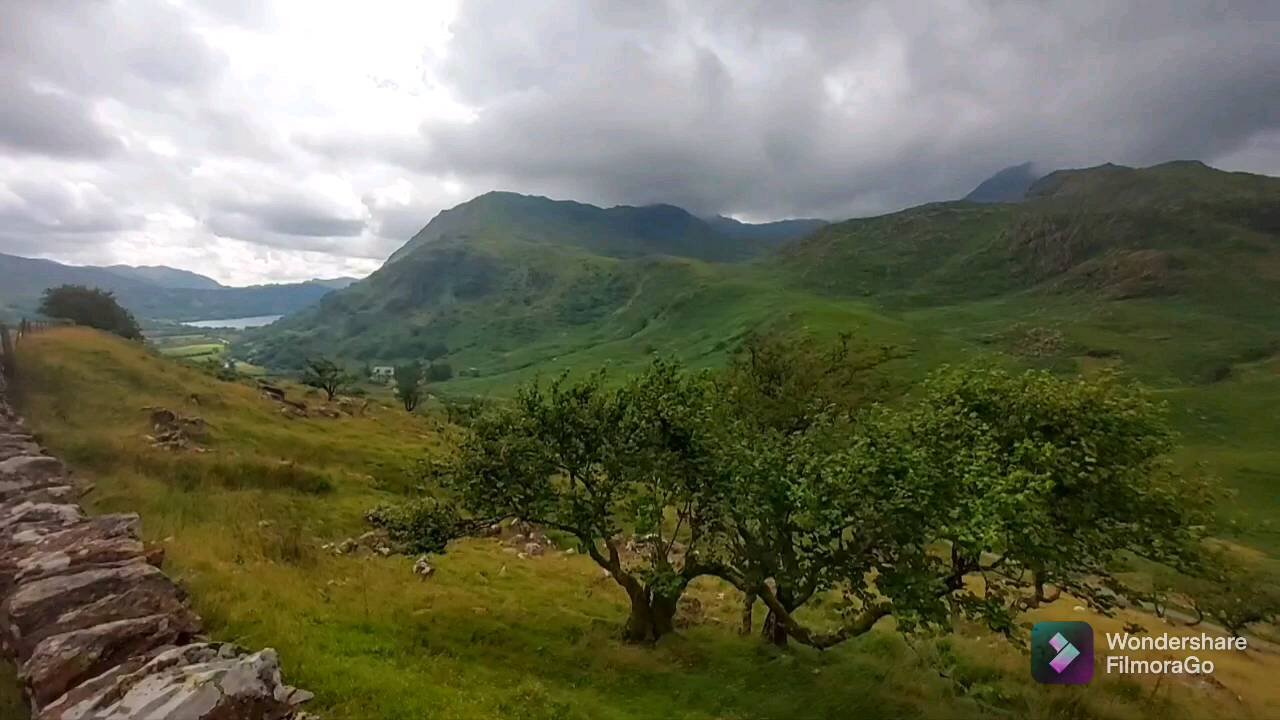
(489, 635)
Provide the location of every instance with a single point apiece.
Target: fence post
(7, 360)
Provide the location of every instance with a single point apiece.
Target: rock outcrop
(97, 630)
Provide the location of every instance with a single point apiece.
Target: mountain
(765, 235)
(510, 282)
(1168, 274)
(503, 271)
(617, 232)
(24, 280)
(166, 277)
(1008, 185)
(1174, 230)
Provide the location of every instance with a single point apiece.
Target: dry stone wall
(97, 630)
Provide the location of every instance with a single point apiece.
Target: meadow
(489, 634)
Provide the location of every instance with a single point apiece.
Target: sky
(278, 140)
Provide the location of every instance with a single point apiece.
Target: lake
(236, 323)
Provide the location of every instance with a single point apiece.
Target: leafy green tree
(409, 385)
(1231, 592)
(784, 401)
(596, 464)
(439, 372)
(91, 307)
(1025, 480)
(326, 375)
(784, 383)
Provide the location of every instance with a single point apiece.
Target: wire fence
(11, 336)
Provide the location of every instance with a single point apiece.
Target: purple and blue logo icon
(1062, 653)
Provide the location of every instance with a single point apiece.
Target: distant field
(490, 635)
(199, 350)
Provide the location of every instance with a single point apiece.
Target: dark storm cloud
(837, 108)
(266, 138)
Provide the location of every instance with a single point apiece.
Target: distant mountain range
(154, 292)
(513, 283)
(166, 277)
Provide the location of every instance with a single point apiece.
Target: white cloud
(258, 140)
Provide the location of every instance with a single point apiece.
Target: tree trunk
(748, 607)
(652, 616)
(664, 614)
(641, 627)
(775, 630)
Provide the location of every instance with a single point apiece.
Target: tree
(1232, 592)
(596, 463)
(783, 399)
(439, 372)
(324, 374)
(409, 385)
(1024, 480)
(91, 307)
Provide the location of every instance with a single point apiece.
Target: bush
(419, 526)
(439, 372)
(90, 307)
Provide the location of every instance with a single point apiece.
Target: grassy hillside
(490, 635)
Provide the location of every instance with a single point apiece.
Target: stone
(16, 445)
(60, 662)
(13, 517)
(32, 468)
(533, 549)
(59, 553)
(53, 494)
(422, 568)
(206, 681)
(75, 601)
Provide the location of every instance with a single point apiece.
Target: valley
(1162, 275)
(250, 525)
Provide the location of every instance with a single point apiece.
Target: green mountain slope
(1166, 273)
(1177, 230)
(1174, 241)
(24, 280)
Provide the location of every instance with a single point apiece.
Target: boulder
(207, 681)
(61, 662)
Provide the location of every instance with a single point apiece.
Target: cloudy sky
(275, 140)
